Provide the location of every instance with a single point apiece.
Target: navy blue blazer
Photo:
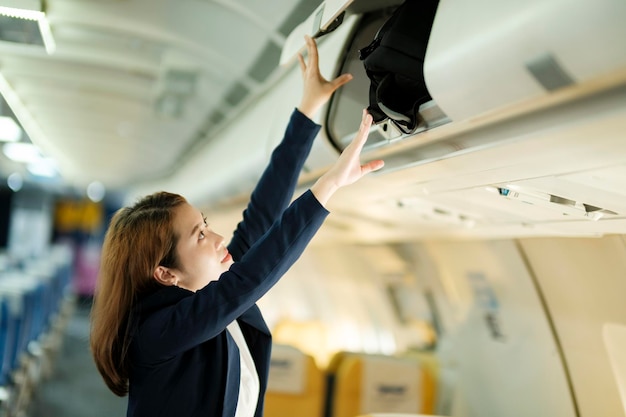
(183, 362)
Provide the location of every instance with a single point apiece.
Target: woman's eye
(201, 235)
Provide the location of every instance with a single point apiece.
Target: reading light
(30, 10)
(9, 130)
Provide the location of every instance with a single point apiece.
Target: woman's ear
(164, 276)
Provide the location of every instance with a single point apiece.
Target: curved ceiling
(133, 85)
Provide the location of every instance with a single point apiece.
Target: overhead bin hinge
(317, 27)
(325, 19)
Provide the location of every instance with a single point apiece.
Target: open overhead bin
(486, 65)
(484, 55)
(496, 72)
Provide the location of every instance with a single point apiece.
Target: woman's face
(202, 253)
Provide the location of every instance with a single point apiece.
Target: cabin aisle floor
(75, 388)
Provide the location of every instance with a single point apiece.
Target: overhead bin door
(484, 55)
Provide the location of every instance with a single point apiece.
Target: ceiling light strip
(31, 11)
(28, 123)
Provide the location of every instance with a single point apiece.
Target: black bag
(394, 63)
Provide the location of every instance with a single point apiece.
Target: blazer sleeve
(203, 315)
(275, 188)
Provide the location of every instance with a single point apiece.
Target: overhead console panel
(483, 55)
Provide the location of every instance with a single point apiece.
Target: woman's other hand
(348, 168)
(317, 89)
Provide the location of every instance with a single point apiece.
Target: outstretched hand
(317, 89)
(348, 168)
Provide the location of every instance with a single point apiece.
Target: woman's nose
(219, 240)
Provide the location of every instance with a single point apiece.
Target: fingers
(341, 80)
(366, 119)
(364, 129)
(302, 64)
(361, 139)
(311, 47)
(311, 52)
(370, 166)
(361, 136)
(311, 69)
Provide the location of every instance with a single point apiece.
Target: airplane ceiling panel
(139, 80)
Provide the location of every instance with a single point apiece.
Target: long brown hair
(139, 239)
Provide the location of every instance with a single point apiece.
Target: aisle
(75, 388)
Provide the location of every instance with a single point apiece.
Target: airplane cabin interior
(480, 273)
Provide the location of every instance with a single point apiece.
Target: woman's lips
(227, 257)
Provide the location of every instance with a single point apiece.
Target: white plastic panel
(483, 55)
(497, 339)
(583, 284)
(614, 336)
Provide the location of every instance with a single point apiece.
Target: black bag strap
(394, 63)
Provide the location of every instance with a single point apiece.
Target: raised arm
(200, 317)
(275, 188)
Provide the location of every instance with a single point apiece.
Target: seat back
(7, 341)
(369, 383)
(295, 386)
(20, 300)
(430, 378)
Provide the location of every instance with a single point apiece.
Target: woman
(174, 322)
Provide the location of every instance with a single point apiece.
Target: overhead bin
(498, 73)
(357, 22)
(344, 111)
(484, 55)
(492, 70)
